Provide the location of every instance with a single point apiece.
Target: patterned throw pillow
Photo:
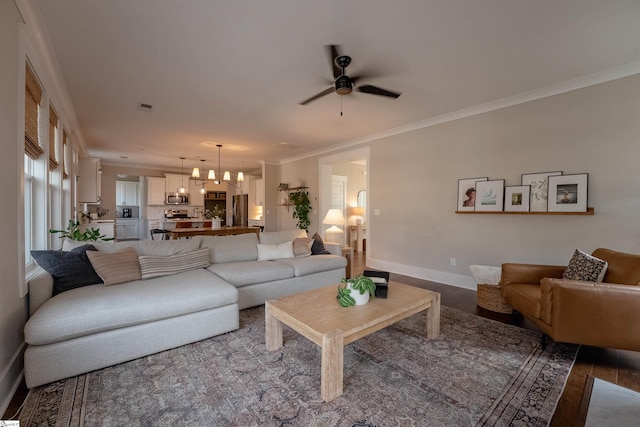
(154, 266)
(583, 266)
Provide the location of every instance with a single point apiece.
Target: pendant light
(196, 174)
(181, 190)
(227, 175)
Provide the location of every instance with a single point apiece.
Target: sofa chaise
(186, 291)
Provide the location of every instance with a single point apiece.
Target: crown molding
(611, 74)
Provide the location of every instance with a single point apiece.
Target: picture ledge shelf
(590, 211)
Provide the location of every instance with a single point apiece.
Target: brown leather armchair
(601, 314)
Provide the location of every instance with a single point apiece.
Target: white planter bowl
(361, 299)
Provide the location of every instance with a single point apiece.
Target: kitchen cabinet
(156, 188)
(105, 227)
(89, 180)
(175, 181)
(126, 193)
(127, 229)
(259, 193)
(196, 198)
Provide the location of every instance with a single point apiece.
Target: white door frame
(324, 183)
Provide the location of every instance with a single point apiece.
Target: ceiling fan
(343, 84)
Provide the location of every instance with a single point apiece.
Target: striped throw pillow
(154, 266)
(117, 267)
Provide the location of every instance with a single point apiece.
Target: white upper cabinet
(175, 181)
(126, 193)
(196, 198)
(156, 188)
(89, 180)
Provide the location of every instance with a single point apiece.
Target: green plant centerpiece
(216, 212)
(350, 290)
(301, 207)
(73, 232)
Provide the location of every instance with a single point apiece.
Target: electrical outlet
(376, 212)
(452, 262)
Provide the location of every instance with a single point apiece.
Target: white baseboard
(443, 277)
(10, 378)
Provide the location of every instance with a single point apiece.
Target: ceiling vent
(144, 107)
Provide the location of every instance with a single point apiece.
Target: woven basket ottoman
(490, 298)
(488, 293)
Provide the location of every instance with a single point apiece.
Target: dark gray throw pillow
(69, 270)
(318, 246)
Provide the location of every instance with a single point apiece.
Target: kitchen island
(177, 233)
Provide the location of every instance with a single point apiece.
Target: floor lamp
(334, 218)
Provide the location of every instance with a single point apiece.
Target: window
(28, 208)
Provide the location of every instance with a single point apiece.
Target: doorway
(354, 165)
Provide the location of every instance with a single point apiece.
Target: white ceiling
(232, 72)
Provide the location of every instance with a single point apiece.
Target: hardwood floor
(616, 366)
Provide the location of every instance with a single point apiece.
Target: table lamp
(333, 218)
(356, 213)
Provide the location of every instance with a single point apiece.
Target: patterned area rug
(477, 372)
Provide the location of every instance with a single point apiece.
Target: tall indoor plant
(301, 207)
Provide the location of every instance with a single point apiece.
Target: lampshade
(240, 176)
(227, 176)
(195, 173)
(334, 217)
(356, 211)
(212, 174)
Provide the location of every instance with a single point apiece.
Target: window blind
(33, 96)
(65, 154)
(53, 125)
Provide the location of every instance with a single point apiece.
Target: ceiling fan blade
(374, 90)
(319, 95)
(333, 51)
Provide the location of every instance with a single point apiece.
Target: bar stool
(164, 234)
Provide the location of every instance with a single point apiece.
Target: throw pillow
(583, 266)
(154, 266)
(69, 270)
(318, 246)
(117, 267)
(302, 246)
(271, 252)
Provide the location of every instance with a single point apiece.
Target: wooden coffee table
(317, 315)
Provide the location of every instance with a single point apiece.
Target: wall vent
(144, 107)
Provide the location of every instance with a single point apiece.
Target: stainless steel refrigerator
(241, 210)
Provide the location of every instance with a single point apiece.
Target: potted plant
(215, 215)
(301, 207)
(356, 291)
(73, 232)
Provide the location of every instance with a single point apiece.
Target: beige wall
(13, 312)
(413, 183)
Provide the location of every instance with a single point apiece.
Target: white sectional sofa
(95, 326)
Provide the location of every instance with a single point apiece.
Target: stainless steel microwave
(176, 199)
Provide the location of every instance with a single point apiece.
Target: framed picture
(490, 195)
(568, 193)
(467, 193)
(539, 183)
(517, 198)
